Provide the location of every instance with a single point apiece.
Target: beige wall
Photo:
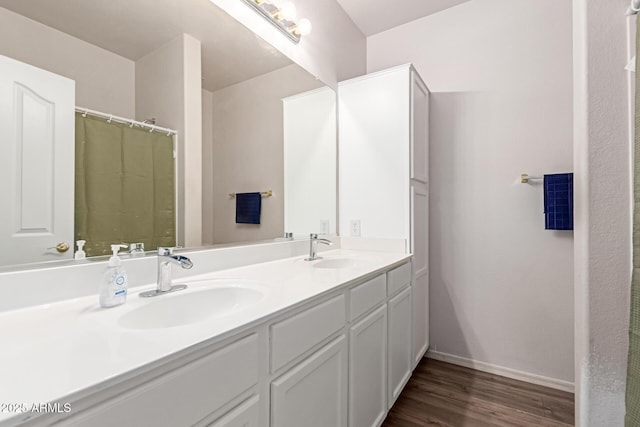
(104, 81)
(248, 151)
(207, 167)
(500, 72)
(169, 88)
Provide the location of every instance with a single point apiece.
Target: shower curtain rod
(111, 118)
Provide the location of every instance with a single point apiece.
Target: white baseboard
(502, 371)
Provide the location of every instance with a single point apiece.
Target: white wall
(248, 151)
(334, 51)
(500, 72)
(104, 81)
(310, 169)
(169, 88)
(603, 210)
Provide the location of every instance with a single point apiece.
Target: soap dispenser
(80, 253)
(113, 289)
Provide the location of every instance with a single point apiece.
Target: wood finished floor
(442, 394)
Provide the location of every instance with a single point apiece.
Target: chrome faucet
(165, 259)
(313, 246)
(136, 249)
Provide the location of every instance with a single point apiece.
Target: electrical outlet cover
(355, 228)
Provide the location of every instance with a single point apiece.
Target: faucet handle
(165, 250)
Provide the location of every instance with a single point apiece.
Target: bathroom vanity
(283, 343)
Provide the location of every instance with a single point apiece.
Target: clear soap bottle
(113, 289)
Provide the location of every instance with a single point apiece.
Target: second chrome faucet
(313, 246)
(166, 257)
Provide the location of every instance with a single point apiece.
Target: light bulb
(303, 28)
(287, 11)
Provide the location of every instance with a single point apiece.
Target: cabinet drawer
(398, 278)
(247, 414)
(366, 296)
(297, 334)
(185, 395)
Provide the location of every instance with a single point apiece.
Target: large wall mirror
(267, 125)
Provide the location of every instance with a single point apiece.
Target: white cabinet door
(419, 243)
(368, 370)
(420, 250)
(314, 393)
(419, 129)
(420, 317)
(399, 339)
(37, 165)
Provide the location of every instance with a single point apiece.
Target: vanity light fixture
(282, 17)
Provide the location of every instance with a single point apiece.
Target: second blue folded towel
(558, 201)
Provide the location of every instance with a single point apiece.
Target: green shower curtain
(633, 370)
(125, 187)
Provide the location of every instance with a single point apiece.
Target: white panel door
(399, 348)
(368, 370)
(37, 165)
(314, 393)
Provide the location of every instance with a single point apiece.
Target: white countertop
(74, 348)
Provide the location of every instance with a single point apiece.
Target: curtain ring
(110, 118)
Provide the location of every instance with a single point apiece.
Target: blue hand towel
(248, 206)
(558, 201)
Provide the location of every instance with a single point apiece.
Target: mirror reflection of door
(36, 166)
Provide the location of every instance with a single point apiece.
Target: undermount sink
(180, 309)
(335, 263)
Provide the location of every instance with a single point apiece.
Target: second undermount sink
(335, 263)
(180, 309)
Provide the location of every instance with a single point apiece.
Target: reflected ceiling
(230, 52)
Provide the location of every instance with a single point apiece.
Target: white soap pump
(80, 253)
(113, 289)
